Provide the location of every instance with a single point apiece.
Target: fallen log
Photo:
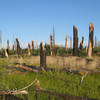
(81, 71)
(64, 96)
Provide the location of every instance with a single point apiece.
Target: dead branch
(19, 91)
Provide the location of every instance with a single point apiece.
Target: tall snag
(29, 49)
(70, 42)
(66, 42)
(18, 49)
(7, 49)
(75, 41)
(13, 47)
(90, 45)
(81, 43)
(42, 56)
(32, 45)
(50, 45)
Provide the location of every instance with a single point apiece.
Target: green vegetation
(59, 82)
(96, 51)
(64, 82)
(59, 51)
(82, 53)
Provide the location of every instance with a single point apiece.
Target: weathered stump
(50, 45)
(18, 50)
(66, 42)
(13, 47)
(42, 56)
(75, 41)
(81, 43)
(70, 42)
(32, 45)
(7, 49)
(29, 49)
(6, 53)
(36, 45)
(8, 45)
(91, 43)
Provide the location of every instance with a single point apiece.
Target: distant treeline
(59, 51)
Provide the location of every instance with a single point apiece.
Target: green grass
(63, 82)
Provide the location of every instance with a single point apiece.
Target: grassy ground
(60, 82)
(65, 83)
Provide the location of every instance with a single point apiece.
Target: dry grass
(57, 62)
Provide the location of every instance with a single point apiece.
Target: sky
(34, 19)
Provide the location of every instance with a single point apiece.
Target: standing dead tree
(7, 49)
(13, 47)
(29, 49)
(32, 45)
(66, 42)
(50, 45)
(42, 56)
(75, 41)
(18, 49)
(81, 43)
(56, 48)
(90, 45)
(70, 42)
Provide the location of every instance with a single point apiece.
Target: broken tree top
(50, 35)
(91, 27)
(74, 27)
(29, 45)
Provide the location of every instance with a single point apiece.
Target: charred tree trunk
(81, 43)
(50, 45)
(91, 43)
(13, 47)
(75, 41)
(42, 56)
(7, 49)
(18, 50)
(29, 49)
(32, 45)
(66, 42)
(70, 42)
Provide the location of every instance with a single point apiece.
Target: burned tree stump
(29, 49)
(66, 42)
(81, 43)
(18, 50)
(75, 41)
(90, 45)
(70, 42)
(13, 47)
(6, 53)
(42, 56)
(7, 49)
(50, 45)
(32, 45)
